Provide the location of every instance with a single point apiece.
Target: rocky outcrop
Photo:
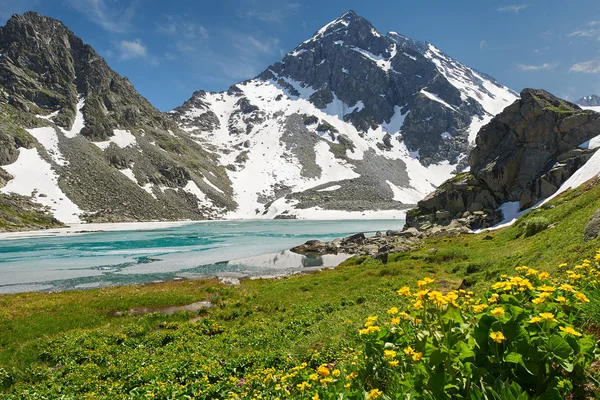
(379, 246)
(592, 229)
(523, 155)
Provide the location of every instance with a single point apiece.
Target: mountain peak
(589, 101)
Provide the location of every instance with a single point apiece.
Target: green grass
(275, 321)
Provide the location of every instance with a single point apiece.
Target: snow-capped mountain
(351, 120)
(591, 102)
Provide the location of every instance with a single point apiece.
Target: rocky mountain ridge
(350, 120)
(522, 157)
(589, 101)
(78, 138)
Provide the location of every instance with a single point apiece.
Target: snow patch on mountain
(79, 122)
(121, 138)
(33, 176)
(49, 139)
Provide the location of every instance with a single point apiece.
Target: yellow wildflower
(546, 288)
(393, 363)
(493, 298)
(570, 331)
(418, 305)
(404, 291)
(582, 297)
(323, 370)
(314, 377)
(561, 299)
(498, 311)
(544, 275)
(538, 300)
(535, 320)
(352, 375)
(392, 311)
(548, 316)
(409, 351)
(531, 271)
(417, 356)
(566, 287)
(563, 265)
(479, 308)
(389, 353)
(497, 337)
(375, 393)
(336, 373)
(396, 321)
(316, 397)
(303, 386)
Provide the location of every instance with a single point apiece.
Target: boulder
(592, 229)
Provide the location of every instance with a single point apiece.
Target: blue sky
(169, 49)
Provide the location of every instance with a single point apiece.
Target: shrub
(535, 225)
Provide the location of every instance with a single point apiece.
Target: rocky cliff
(521, 157)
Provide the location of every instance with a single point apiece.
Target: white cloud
(585, 33)
(176, 26)
(112, 15)
(543, 67)
(513, 8)
(132, 49)
(273, 11)
(587, 67)
(483, 44)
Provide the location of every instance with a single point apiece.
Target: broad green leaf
(452, 314)
(558, 346)
(464, 351)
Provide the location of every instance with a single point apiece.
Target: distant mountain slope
(590, 103)
(78, 137)
(350, 120)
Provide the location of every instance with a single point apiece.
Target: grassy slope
(301, 313)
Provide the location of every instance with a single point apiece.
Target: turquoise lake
(229, 250)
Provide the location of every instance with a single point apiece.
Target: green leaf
(452, 314)
(558, 346)
(436, 385)
(516, 358)
(465, 352)
(436, 358)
